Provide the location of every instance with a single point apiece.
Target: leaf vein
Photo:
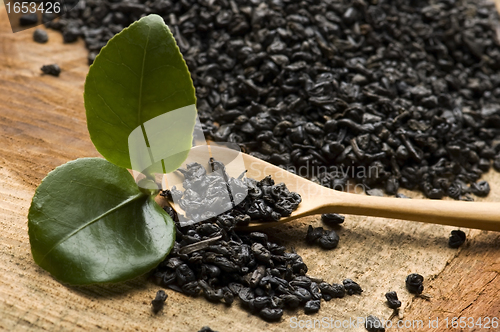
(109, 107)
(124, 203)
(139, 106)
(122, 64)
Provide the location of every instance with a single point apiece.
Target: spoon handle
(480, 215)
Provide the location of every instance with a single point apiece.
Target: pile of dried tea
(210, 257)
(389, 93)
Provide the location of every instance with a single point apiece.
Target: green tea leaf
(137, 77)
(89, 223)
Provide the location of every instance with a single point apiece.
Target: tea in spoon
(317, 199)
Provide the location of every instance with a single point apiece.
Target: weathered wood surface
(42, 125)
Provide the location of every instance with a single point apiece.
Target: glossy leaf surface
(138, 76)
(89, 223)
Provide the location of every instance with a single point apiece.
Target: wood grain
(468, 288)
(42, 125)
(470, 283)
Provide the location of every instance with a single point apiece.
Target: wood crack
(478, 295)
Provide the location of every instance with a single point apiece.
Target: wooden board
(42, 125)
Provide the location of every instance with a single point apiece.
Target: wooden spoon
(317, 199)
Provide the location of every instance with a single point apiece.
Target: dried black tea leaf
(457, 238)
(392, 300)
(52, 69)
(159, 301)
(414, 283)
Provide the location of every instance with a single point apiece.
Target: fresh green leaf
(137, 77)
(89, 223)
